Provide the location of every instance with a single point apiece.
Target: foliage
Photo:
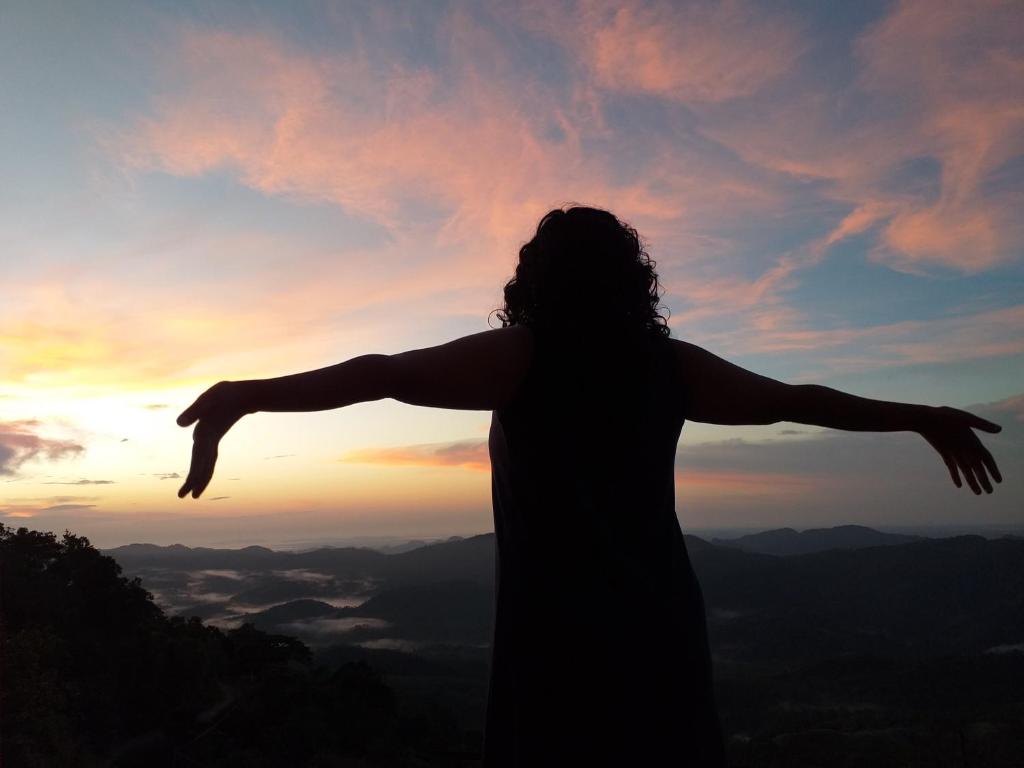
(95, 674)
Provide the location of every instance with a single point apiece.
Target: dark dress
(600, 653)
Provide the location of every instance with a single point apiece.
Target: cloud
(453, 149)
(337, 626)
(392, 140)
(692, 52)
(51, 505)
(305, 575)
(833, 475)
(466, 454)
(962, 67)
(20, 442)
(456, 162)
(749, 485)
(167, 475)
(56, 336)
(67, 508)
(840, 475)
(225, 573)
(930, 90)
(1009, 408)
(951, 339)
(83, 481)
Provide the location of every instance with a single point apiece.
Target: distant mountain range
(787, 541)
(912, 595)
(779, 541)
(906, 653)
(833, 642)
(454, 558)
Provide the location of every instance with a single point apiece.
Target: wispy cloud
(82, 481)
(693, 52)
(21, 442)
(466, 454)
(948, 340)
(388, 142)
(49, 505)
(913, 141)
(846, 475)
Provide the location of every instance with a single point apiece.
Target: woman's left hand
(215, 412)
(950, 431)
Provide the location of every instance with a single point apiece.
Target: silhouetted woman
(600, 652)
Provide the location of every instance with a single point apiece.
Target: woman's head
(584, 267)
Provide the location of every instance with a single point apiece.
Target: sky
(201, 191)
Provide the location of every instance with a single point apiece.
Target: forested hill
(94, 674)
(788, 541)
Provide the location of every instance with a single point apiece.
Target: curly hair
(584, 266)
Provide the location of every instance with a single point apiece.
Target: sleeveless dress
(600, 653)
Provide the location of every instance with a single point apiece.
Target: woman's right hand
(215, 412)
(950, 431)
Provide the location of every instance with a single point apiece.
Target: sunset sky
(201, 191)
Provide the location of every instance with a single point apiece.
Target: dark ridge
(787, 541)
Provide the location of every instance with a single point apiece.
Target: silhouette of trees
(93, 673)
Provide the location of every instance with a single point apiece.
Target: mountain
(296, 610)
(963, 594)
(454, 558)
(880, 655)
(787, 541)
(455, 612)
(95, 674)
(341, 559)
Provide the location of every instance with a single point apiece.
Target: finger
(202, 481)
(190, 414)
(979, 472)
(198, 479)
(968, 473)
(206, 472)
(194, 469)
(951, 466)
(990, 463)
(984, 424)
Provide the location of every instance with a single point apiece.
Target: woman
(600, 653)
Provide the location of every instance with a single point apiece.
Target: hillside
(787, 541)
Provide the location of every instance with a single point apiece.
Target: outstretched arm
(476, 372)
(720, 392)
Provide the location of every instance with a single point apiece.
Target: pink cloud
(692, 52)
(465, 454)
(492, 154)
(695, 52)
(961, 68)
(943, 340)
(723, 485)
(21, 442)
(932, 85)
(383, 144)
(490, 150)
